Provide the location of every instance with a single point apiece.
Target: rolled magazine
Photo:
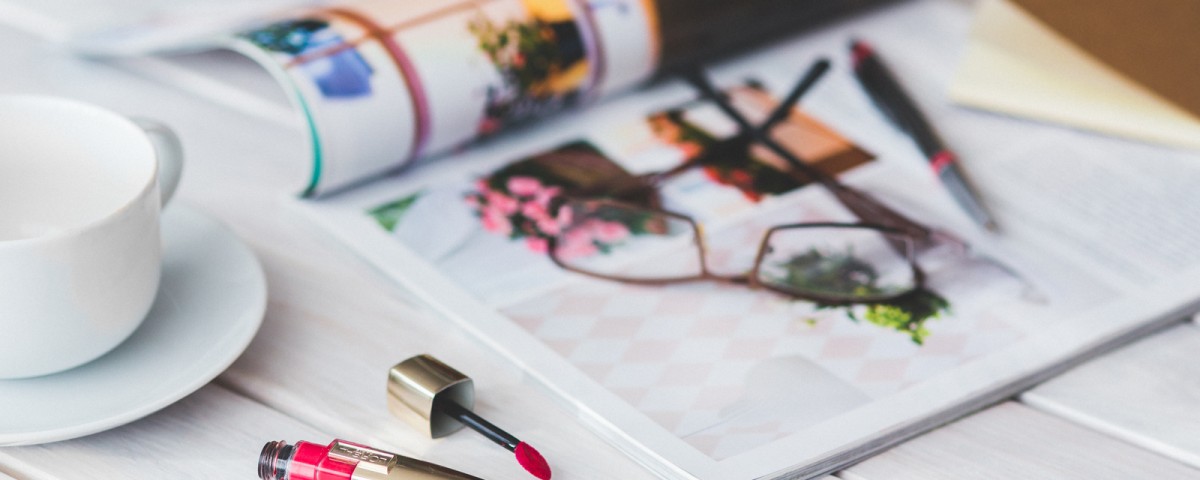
(381, 83)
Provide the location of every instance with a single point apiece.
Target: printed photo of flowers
(489, 228)
(521, 201)
(542, 62)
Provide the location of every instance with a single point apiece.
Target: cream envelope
(1015, 64)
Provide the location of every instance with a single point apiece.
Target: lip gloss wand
(437, 399)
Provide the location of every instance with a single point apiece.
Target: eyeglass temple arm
(780, 113)
(809, 80)
(862, 205)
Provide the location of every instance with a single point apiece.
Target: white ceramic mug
(80, 252)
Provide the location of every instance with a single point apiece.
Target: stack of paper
(1016, 63)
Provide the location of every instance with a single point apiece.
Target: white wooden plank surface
(1147, 393)
(1012, 441)
(211, 434)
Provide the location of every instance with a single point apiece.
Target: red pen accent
(860, 51)
(941, 161)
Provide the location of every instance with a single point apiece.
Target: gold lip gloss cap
(416, 384)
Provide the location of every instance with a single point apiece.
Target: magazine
(711, 380)
(550, 242)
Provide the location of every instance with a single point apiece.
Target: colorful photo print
(381, 83)
(593, 217)
(698, 135)
(337, 68)
(525, 200)
(541, 59)
(492, 232)
(728, 368)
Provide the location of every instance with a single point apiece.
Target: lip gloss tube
(342, 460)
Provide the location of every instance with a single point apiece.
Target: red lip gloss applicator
(437, 400)
(342, 460)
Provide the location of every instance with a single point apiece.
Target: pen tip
(532, 461)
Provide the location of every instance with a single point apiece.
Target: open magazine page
(1134, 232)
(713, 380)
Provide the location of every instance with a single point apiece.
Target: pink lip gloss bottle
(342, 460)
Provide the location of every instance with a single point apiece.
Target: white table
(1131, 414)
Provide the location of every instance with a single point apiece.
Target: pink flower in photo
(576, 243)
(537, 244)
(549, 226)
(535, 211)
(521, 210)
(501, 202)
(608, 232)
(545, 195)
(565, 215)
(496, 221)
(524, 186)
(541, 218)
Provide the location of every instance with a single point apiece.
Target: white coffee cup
(80, 251)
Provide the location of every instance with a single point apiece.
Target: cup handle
(169, 151)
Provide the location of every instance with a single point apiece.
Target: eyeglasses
(830, 263)
(859, 203)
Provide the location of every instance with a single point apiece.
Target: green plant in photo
(389, 214)
(524, 50)
(844, 274)
(907, 314)
(542, 65)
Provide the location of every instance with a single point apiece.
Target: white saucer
(209, 306)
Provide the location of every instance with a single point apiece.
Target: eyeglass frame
(858, 202)
(883, 218)
(751, 277)
(861, 204)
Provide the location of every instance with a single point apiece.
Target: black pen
(890, 98)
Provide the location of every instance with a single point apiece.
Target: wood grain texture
(1012, 441)
(1147, 393)
(211, 434)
